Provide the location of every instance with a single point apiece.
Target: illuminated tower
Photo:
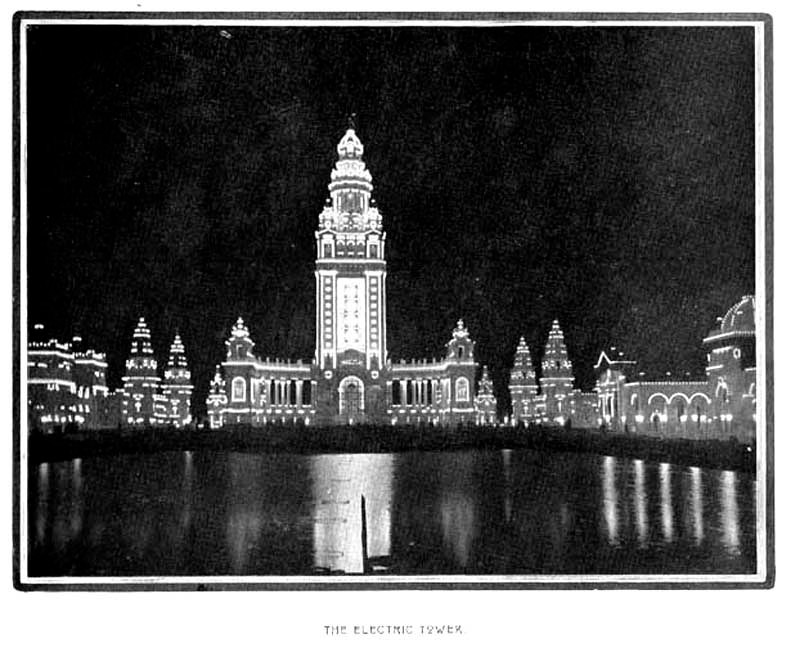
(556, 376)
(350, 287)
(177, 385)
(141, 404)
(523, 385)
(485, 402)
(243, 387)
(217, 399)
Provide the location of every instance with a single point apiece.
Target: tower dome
(740, 318)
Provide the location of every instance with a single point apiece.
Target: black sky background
(603, 176)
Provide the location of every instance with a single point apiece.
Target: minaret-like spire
(485, 401)
(140, 382)
(523, 373)
(556, 363)
(177, 366)
(523, 385)
(141, 341)
(485, 387)
(217, 384)
(216, 399)
(177, 385)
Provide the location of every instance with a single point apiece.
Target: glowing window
(462, 389)
(238, 389)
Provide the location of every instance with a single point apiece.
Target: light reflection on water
(610, 500)
(506, 454)
(640, 498)
(697, 505)
(42, 509)
(458, 512)
(457, 508)
(338, 483)
(666, 510)
(730, 518)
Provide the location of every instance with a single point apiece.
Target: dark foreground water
(473, 512)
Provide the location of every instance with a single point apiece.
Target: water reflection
(666, 510)
(188, 487)
(425, 513)
(730, 519)
(42, 503)
(610, 497)
(77, 509)
(244, 522)
(696, 510)
(457, 513)
(506, 454)
(640, 500)
(457, 507)
(338, 483)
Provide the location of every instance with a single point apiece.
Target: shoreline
(712, 454)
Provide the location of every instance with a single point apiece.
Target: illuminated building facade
(552, 400)
(351, 379)
(721, 407)
(145, 399)
(65, 383)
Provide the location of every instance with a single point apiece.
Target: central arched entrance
(350, 399)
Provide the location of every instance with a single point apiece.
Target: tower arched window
(238, 389)
(460, 352)
(462, 389)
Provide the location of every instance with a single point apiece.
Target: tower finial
(351, 121)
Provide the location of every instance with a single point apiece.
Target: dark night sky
(604, 176)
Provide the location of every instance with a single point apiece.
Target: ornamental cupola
(461, 348)
(350, 207)
(240, 346)
(523, 373)
(556, 365)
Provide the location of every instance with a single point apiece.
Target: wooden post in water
(364, 534)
